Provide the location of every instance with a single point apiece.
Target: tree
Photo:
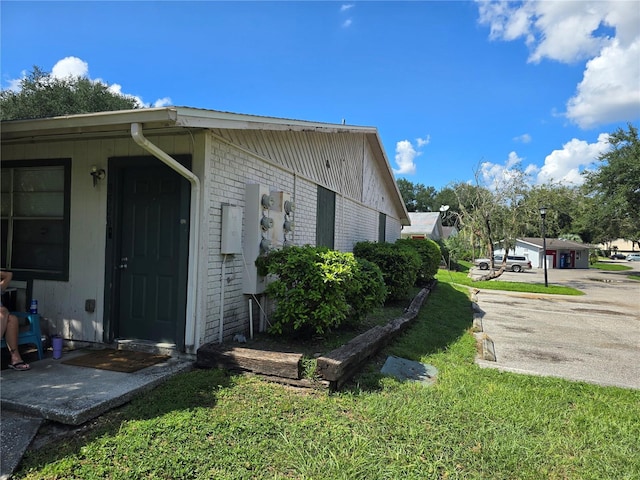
(564, 209)
(447, 196)
(615, 183)
(494, 213)
(417, 197)
(41, 95)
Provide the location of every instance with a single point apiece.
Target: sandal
(20, 366)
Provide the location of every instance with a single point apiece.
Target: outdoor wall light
(97, 174)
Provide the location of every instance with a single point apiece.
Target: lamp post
(543, 214)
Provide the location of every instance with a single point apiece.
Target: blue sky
(453, 87)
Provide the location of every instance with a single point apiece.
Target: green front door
(150, 252)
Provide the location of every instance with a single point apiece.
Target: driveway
(593, 338)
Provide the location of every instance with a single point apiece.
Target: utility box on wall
(268, 225)
(256, 224)
(231, 242)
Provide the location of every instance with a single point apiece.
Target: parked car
(618, 256)
(633, 257)
(515, 263)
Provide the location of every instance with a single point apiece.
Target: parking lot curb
(488, 349)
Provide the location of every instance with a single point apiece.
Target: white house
(424, 225)
(143, 226)
(560, 253)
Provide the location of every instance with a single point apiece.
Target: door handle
(124, 263)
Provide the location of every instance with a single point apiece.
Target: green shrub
(366, 291)
(399, 265)
(430, 257)
(317, 289)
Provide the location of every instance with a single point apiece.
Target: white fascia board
(166, 116)
(199, 118)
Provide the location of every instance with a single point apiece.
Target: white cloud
(421, 142)
(524, 138)
(610, 88)
(163, 102)
(405, 158)
(494, 175)
(76, 67)
(566, 165)
(563, 166)
(605, 34)
(344, 8)
(406, 154)
(70, 67)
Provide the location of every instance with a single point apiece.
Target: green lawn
(472, 424)
(461, 278)
(609, 266)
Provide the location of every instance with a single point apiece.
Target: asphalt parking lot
(593, 338)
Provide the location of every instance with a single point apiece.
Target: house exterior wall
(225, 161)
(61, 304)
(234, 159)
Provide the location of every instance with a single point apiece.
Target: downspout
(192, 328)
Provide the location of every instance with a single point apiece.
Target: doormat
(127, 361)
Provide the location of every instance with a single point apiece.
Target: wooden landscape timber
(333, 369)
(265, 362)
(339, 365)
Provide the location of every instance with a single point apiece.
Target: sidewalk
(66, 394)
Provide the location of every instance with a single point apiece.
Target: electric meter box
(231, 243)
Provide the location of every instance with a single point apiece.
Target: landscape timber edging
(339, 365)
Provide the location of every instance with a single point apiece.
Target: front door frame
(117, 167)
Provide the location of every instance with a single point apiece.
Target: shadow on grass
(184, 392)
(443, 319)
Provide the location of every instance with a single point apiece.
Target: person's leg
(9, 328)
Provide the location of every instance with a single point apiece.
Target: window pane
(38, 244)
(39, 179)
(39, 204)
(5, 207)
(5, 180)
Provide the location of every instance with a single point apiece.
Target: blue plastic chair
(31, 336)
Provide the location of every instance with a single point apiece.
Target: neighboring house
(142, 226)
(560, 253)
(620, 245)
(424, 225)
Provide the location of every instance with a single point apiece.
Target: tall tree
(40, 95)
(417, 197)
(615, 183)
(494, 213)
(447, 196)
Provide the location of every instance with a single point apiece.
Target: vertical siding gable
(334, 160)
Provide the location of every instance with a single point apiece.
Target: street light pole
(543, 214)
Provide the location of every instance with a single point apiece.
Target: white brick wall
(227, 170)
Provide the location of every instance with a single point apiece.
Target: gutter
(192, 328)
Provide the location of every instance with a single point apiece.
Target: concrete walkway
(593, 338)
(66, 394)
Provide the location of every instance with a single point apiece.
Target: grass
(611, 267)
(472, 424)
(461, 278)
